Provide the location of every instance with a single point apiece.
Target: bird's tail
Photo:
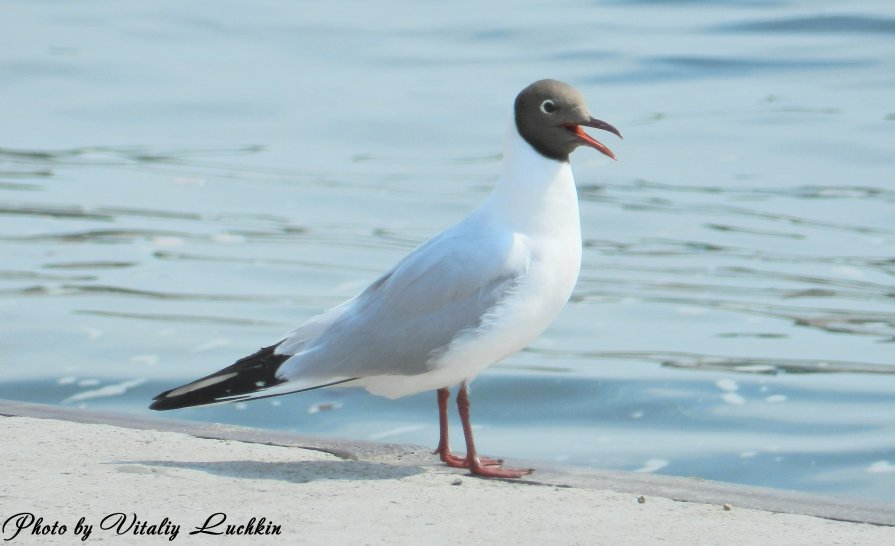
(252, 377)
(249, 375)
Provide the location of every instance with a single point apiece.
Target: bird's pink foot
(457, 461)
(488, 471)
(478, 466)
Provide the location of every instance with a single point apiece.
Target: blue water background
(183, 182)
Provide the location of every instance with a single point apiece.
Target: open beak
(589, 140)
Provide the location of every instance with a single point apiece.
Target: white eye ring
(548, 106)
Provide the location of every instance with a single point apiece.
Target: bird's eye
(548, 106)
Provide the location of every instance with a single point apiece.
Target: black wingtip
(248, 375)
(162, 404)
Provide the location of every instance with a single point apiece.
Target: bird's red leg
(444, 447)
(473, 461)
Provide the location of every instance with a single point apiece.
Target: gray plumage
(407, 317)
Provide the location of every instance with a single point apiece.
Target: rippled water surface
(181, 183)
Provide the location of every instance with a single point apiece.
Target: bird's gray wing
(407, 316)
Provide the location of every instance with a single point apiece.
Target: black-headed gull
(465, 299)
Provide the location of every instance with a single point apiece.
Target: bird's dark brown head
(549, 116)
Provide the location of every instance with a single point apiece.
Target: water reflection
(822, 24)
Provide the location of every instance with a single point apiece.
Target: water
(180, 183)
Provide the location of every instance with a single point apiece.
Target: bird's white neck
(532, 189)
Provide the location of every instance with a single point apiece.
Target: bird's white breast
(537, 203)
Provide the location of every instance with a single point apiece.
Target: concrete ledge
(346, 449)
(411, 469)
(671, 487)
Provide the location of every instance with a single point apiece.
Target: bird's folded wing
(406, 317)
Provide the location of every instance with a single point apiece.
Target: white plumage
(467, 298)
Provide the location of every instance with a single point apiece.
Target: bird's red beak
(589, 140)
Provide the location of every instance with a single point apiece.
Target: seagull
(468, 297)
